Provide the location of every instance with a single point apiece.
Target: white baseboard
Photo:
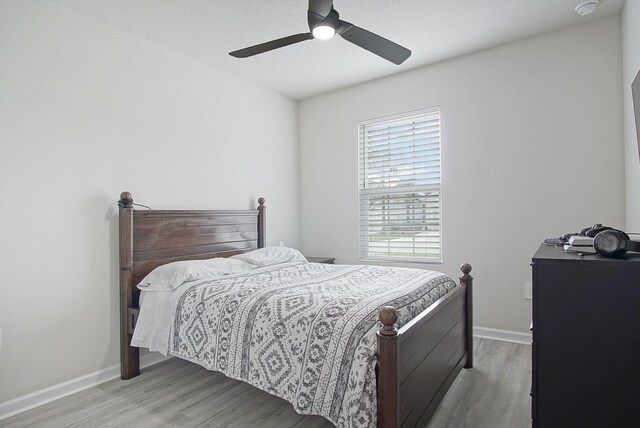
(55, 392)
(502, 335)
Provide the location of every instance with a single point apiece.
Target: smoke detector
(587, 7)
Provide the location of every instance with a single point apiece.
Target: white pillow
(268, 256)
(172, 275)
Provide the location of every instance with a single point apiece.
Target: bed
(415, 364)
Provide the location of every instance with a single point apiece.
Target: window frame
(361, 150)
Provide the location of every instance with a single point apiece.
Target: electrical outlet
(528, 291)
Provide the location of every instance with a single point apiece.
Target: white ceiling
(434, 30)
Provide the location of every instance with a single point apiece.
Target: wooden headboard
(149, 239)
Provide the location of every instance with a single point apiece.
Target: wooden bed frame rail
(416, 364)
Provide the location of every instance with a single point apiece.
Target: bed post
(129, 355)
(388, 369)
(262, 223)
(466, 280)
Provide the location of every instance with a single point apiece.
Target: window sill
(389, 260)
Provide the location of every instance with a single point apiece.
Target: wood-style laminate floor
(494, 394)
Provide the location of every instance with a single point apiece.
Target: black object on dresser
(586, 340)
(327, 260)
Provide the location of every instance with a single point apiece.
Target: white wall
(87, 111)
(630, 68)
(531, 146)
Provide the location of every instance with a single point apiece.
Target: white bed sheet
(154, 322)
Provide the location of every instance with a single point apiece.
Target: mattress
(305, 332)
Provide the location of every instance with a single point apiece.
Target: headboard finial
(465, 268)
(126, 200)
(261, 201)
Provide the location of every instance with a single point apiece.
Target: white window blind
(399, 196)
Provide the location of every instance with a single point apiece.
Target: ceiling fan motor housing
(332, 20)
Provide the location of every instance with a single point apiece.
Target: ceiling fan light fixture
(323, 32)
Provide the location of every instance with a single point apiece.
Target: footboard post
(129, 355)
(388, 369)
(466, 280)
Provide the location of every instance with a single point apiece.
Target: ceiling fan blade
(373, 43)
(269, 46)
(320, 7)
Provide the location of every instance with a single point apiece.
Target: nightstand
(326, 260)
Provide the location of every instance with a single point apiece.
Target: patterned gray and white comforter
(304, 332)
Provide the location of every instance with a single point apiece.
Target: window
(399, 188)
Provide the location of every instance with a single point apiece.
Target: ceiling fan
(324, 23)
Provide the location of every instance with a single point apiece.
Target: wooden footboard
(418, 363)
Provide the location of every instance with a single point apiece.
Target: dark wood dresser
(586, 340)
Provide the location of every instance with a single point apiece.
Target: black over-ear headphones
(614, 243)
(592, 231)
